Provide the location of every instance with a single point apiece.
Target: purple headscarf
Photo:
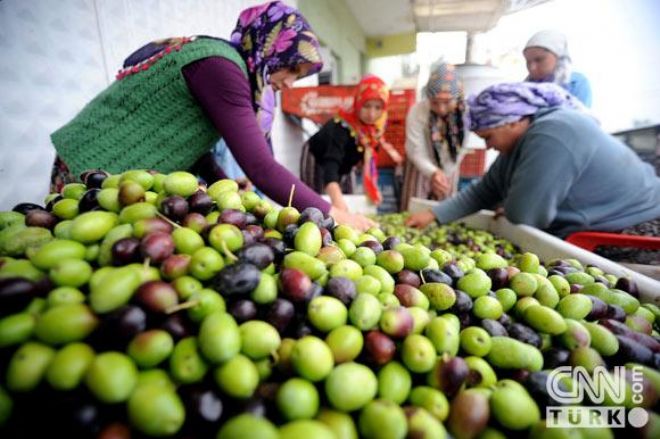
(271, 37)
(506, 103)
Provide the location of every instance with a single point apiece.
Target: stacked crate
(395, 131)
(473, 167)
(389, 182)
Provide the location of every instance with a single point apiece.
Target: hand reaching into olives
(340, 205)
(359, 222)
(440, 184)
(420, 219)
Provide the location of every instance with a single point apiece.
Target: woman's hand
(392, 152)
(420, 219)
(440, 184)
(359, 222)
(336, 197)
(340, 205)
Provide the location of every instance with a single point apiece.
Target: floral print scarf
(271, 37)
(446, 132)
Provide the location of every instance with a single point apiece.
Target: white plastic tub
(548, 247)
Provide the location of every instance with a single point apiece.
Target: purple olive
(40, 218)
(494, 328)
(243, 310)
(278, 246)
(258, 254)
(126, 251)
(296, 285)
(232, 216)
(312, 214)
(15, 294)
(409, 277)
(280, 313)
(525, 334)
(615, 312)
(379, 347)
(453, 271)
(156, 296)
(24, 208)
(94, 178)
(200, 202)
(88, 201)
(178, 326)
(341, 288)
(376, 246)
(157, 246)
(555, 357)
(174, 207)
(237, 279)
(463, 302)
(628, 285)
(499, 277)
(391, 242)
(599, 309)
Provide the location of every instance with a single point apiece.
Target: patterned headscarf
(271, 37)
(506, 103)
(556, 43)
(369, 136)
(447, 132)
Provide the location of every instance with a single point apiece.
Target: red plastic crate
(395, 133)
(399, 104)
(591, 240)
(474, 163)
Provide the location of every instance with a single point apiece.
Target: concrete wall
(337, 29)
(390, 45)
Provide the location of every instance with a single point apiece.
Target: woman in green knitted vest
(175, 98)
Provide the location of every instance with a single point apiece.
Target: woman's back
(145, 120)
(606, 185)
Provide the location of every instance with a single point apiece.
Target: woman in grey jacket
(557, 169)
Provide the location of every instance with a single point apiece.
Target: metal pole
(469, 48)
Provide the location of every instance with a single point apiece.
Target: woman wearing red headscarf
(351, 137)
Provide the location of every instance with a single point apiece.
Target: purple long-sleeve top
(224, 93)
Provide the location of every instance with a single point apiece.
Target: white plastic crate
(548, 247)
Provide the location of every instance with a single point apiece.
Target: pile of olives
(150, 305)
(458, 239)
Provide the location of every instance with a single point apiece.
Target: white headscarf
(555, 42)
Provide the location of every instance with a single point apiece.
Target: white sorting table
(549, 247)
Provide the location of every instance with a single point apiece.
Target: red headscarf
(369, 136)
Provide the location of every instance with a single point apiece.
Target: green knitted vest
(148, 120)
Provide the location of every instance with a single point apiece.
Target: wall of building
(56, 56)
(337, 29)
(390, 45)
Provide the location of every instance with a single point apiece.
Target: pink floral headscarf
(271, 37)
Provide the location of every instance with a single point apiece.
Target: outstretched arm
(223, 91)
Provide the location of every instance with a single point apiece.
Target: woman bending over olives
(557, 169)
(176, 97)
